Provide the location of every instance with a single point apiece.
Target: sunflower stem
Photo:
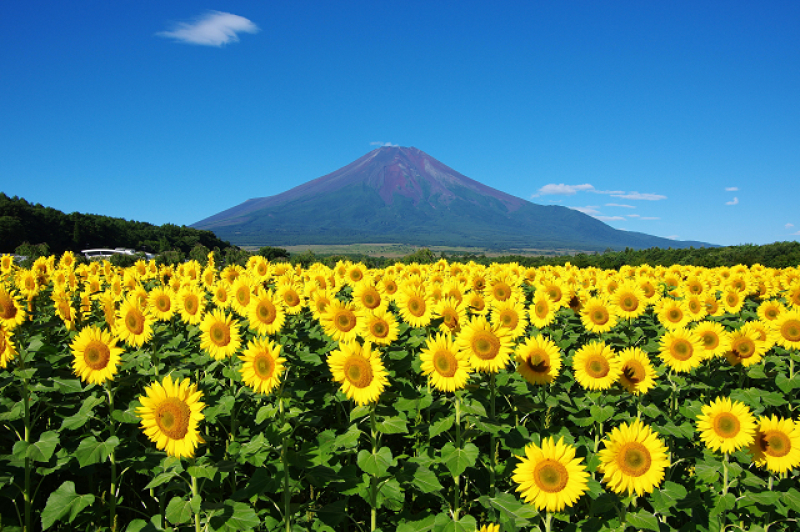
(724, 474)
(548, 522)
(195, 493)
(492, 458)
(457, 478)
(112, 500)
(373, 481)
(27, 420)
(287, 495)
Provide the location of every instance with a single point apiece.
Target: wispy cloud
(787, 226)
(383, 144)
(215, 28)
(731, 189)
(562, 190)
(640, 196)
(672, 237)
(620, 205)
(609, 218)
(650, 218)
(734, 201)
(591, 210)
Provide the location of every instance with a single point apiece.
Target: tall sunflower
(550, 477)
(745, 349)
(453, 313)
(378, 327)
(446, 366)
(489, 348)
(170, 414)
(359, 370)
(368, 296)
(628, 300)
(715, 339)
(788, 327)
(340, 321)
(11, 312)
(133, 326)
(96, 355)
(598, 316)
(770, 310)
(191, 303)
(265, 313)
(726, 425)
(161, 303)
(542, 310)
(682, 350)
(633, 459)
(777, 444)
(415, 306)
(596, 366)
(638, 374)
(672, 314)
(220, 336)
(538, 360)
(262, 365)
(510, 314)
(7, 349)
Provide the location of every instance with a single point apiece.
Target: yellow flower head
(633, 460)
(538, 360)
(726, 425)
(596, 366)
(96, 355)
(446, 367)
(359, 370)
(777, 444)
(170, 415)
(262, 365)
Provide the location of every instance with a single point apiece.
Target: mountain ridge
(404, 195)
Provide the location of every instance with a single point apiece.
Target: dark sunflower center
(172, 417)
(264, 365)
(291, 298)
(501, 291)
(550, 476)
(7, 308)
(416, 306)
(634, 459)
(478, 304)
(134, 321)
(630, 303)
(358, 371)
(771, 314)
(634, 371)
(390, 287)
(682, 350)
(243, 296)
(485, 345)
(450, 318)
(220, 334)
(445, 363)
(163, 303)
(674, 315)
(266, 312)
(597, 366)
(791, 330)
(379, 329)
(538, 362)
(775, 443)
(371, 299)
(509, 319)
(541, 310)
(600, 316)
(96, 355)
(726, 425)
(191, 304)
(710, 340)
(345, 320)
(744, 348)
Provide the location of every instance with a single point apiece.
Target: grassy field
(401, 250)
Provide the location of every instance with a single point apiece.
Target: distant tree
(271, 253)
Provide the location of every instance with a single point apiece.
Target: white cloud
(620, 205)
(650, 218)
(383, 144)
(797, 233)
(633, 216)
(787, 226)
(734, 201)
(215, 28)
(562, 189)
(590, 210)
(672, 237)
(731, 189)
(640, 196)
(609, 218)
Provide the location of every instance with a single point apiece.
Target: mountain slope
(402, 195)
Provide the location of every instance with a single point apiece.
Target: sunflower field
(441, 397)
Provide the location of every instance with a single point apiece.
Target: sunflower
(489, 348)
(550, 477)
(732, 300)
(265, 313)
(220, 335)
(170, 413)
(596, 366)
(368, 296)
(453, 313)
(682, 350)
(769, 311)
(359, 371)
(638, 375)
(241, 294)
(62, 304)
(7, 349)
(788, 327)
(542, 311)
(416, 308)
(190, 301)
(11, 312)
(745, 349)
(633, 459)
(489, 527)
(340, 320)
(763, 331)
(221, 295)
(696, 307)
(289, 295)
(378, 326)
(319, 300)
(672, 314)
(476, 304)
(133, 326)
(161, 303)
(598, 316)
(713, 306)
(726, 425)
(446, 366)
(262, 365)
(538, 360)
(502, 288)
(715, 339)
(510, 314)
(628, 300)
(777, 444)
(96, 355)
(388, 284)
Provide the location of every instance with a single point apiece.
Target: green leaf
(441, 425)
(163, 478)
(514, 509)
(68, 385)
(375, 464)
(83, 415)
(706, 473)
(236, 516)
(467, 523)
(458, 460)
(90, 451)
(349, 438)
(426, 481)
(642, 520)
(203, 471)
(392, 425)
(359, 412)
(603, 414)
(42, 450)
(64, 502)
(792, 499)
(178, 511)
(265, 412)
(723, 504)
(764, 498)
(786, 384)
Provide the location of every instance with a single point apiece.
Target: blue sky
(677, 119)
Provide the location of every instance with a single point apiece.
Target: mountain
(403, 195)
